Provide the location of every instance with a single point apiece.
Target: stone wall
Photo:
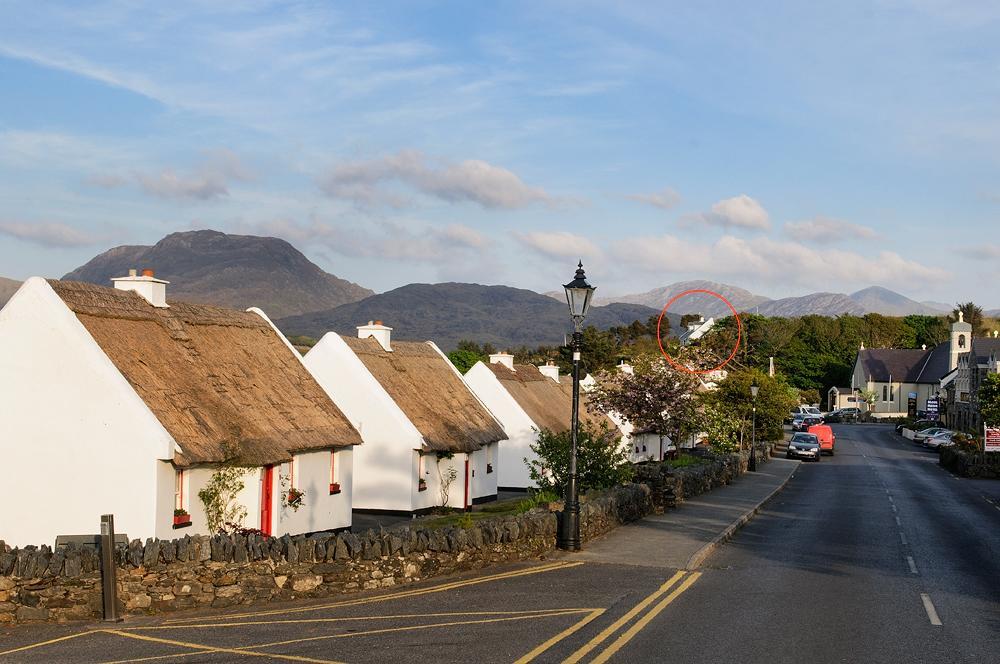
(671, 486)
(969, 464)
(37, 584)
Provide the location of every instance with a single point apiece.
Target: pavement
(874, 555)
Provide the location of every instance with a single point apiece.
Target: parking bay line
(216, 649)
(932, 613)
(31, 646)
(616, 625)
(913, 565)
(645, 620)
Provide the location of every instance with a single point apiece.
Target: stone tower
(961, 340)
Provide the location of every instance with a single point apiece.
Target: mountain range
(7, 288)
(450, 312)
(874, 299)
(236, 271)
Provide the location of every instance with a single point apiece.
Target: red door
(466, 505)
(266, 499)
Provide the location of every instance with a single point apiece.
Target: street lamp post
(578, 295)
(754, 389)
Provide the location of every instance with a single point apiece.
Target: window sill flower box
(334, 488)
(182, 520)
(421, 485)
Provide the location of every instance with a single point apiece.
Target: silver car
(805, 445)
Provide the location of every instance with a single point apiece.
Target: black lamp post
(578, 295)
(754, 389)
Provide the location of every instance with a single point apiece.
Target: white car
(943, 439)
(919, 436)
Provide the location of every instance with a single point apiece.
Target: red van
(826, 438)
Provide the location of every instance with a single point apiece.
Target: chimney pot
(550, 370)
(148, 273)
(133, 272)
(147, 285)
(379, 332)
(503, 358)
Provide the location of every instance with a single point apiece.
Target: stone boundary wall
(966, 464)
(39, 584)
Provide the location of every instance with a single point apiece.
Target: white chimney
(549, 369)
(503, 358)
(146, 285)
(378, 331)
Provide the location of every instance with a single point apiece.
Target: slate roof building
(525, 399)
(116, 401)
(961, 404)
(420, 422)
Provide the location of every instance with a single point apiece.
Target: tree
(464, 359)
(655, 397)
(723, 430)
(988, 397)
(601, 461)
(971, 314)
(869, 397)
(775, 399)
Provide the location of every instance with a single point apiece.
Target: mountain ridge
(7, 289)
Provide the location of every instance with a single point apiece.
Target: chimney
(548, 369)
(147, 285)
(378, 331)
(503, 358)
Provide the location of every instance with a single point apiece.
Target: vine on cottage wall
(219, 497)
(448, 476)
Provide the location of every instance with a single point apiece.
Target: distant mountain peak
(236, 271)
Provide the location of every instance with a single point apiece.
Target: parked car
(843, 415)
(827, 439)
(919, 425)
(808, 410)
(919, 436)
(940, 440)
(803, 422)
(804, 445)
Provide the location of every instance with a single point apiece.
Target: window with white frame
(334, 482)
(179, 490)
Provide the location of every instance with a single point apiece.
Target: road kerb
(699, 556)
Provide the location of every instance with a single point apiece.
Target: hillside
(7, 289)
(826, 304)
(876, 299)
(699, 303)
(448, 313)
(236, 271)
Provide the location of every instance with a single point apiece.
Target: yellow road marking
(413, 628)
(296, 621)
(640, 624)
(550, 567)
(44, 643)
(616, 625)
(215, 649)
(559, 637)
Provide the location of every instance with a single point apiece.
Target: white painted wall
(384, 475)
(511, 470)
(77, 441)
(321, 510)
(482, 484)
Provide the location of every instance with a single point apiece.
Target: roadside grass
(490, 510)
(685, 460)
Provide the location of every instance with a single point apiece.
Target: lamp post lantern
(578, 296)
(754, 389)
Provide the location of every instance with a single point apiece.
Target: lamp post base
(568, 529)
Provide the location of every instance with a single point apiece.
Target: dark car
(803, 422)
(805, 445)
(843, 415)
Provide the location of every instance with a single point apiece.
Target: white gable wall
(521, 430)
(77, 440)
(384, 475)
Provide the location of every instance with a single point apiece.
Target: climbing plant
(219, 495)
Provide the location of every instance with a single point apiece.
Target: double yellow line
(640, 624)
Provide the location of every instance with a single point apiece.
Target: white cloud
(372, 182)
(826, 229)
(982, 252)
(558, 244)
(53, 235)
(781, 263)
(739, 211)
(211, 179)
(665, 200)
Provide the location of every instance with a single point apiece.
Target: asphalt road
(837, 567)
(824, 574)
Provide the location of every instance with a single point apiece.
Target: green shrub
(601, 460)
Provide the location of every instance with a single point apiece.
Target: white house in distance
(525, 399)
(116, 401)
(417, 417)
(696, 329)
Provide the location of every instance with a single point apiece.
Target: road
(854, 561)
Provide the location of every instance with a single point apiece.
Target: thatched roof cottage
(118, 402)
(428, 440)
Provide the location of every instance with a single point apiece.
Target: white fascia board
(53, 306)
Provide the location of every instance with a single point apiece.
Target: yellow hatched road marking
(640, 624)
(215, 649)
(559, 637)
(616, 625)
(44, 643)
(551, 567)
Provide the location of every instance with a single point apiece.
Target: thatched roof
(549, 404)
(431, 394)
(221, 382)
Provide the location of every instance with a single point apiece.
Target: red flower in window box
(181, 518)
(334, 487)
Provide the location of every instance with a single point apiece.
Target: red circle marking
(736, 346)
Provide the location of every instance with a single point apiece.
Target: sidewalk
(684, 537)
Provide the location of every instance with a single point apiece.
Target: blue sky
(783, 147)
